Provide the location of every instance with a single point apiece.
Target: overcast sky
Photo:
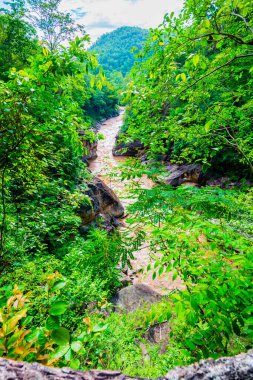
(103, 16)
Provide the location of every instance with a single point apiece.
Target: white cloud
(102, 16)
(105, 15)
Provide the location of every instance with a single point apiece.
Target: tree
(53, 25)
(18, 41)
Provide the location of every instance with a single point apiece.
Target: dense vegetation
(44, 92)
(189, 99)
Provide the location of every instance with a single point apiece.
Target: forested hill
(114, 49)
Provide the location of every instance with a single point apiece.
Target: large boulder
(135, 296)
(103, 201)
(109, 202)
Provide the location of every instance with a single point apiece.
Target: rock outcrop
(103, 202)
(238, 367)
(90, 147)
(131, 149)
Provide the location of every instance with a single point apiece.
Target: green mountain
(114, 49)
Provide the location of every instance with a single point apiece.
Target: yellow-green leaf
(183, 77)
(45, 52)
(196, 59)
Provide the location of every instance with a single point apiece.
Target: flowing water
(104, 166)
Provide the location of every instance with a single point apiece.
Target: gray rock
(183, 174)
(125, 280)
(158, 333)
(238, 367)
(135, 296)
(108, 200)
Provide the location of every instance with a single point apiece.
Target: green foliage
(115, 49)
(89, 276)
(49, 343)
(191, 97)
(202, 236)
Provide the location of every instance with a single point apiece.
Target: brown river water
(104, 166)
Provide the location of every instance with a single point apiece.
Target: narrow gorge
(106, 166)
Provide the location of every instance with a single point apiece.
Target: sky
(103, 16)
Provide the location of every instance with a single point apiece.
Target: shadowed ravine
(103, 166)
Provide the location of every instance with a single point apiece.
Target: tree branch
(239, 40)
(214, 70)
(244, 20)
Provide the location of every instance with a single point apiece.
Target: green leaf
(42, 339)
(182, 76)
(92, 81)
(190, 344)
(75, 364)
(99, 327)
(60, 352)
(208, 125)
(58, 308)
(52, 323)
(248, 309)
(33, 335)
(61, 336)
(59, 285)
(206, 23)
(69, 355)
(76, 346)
